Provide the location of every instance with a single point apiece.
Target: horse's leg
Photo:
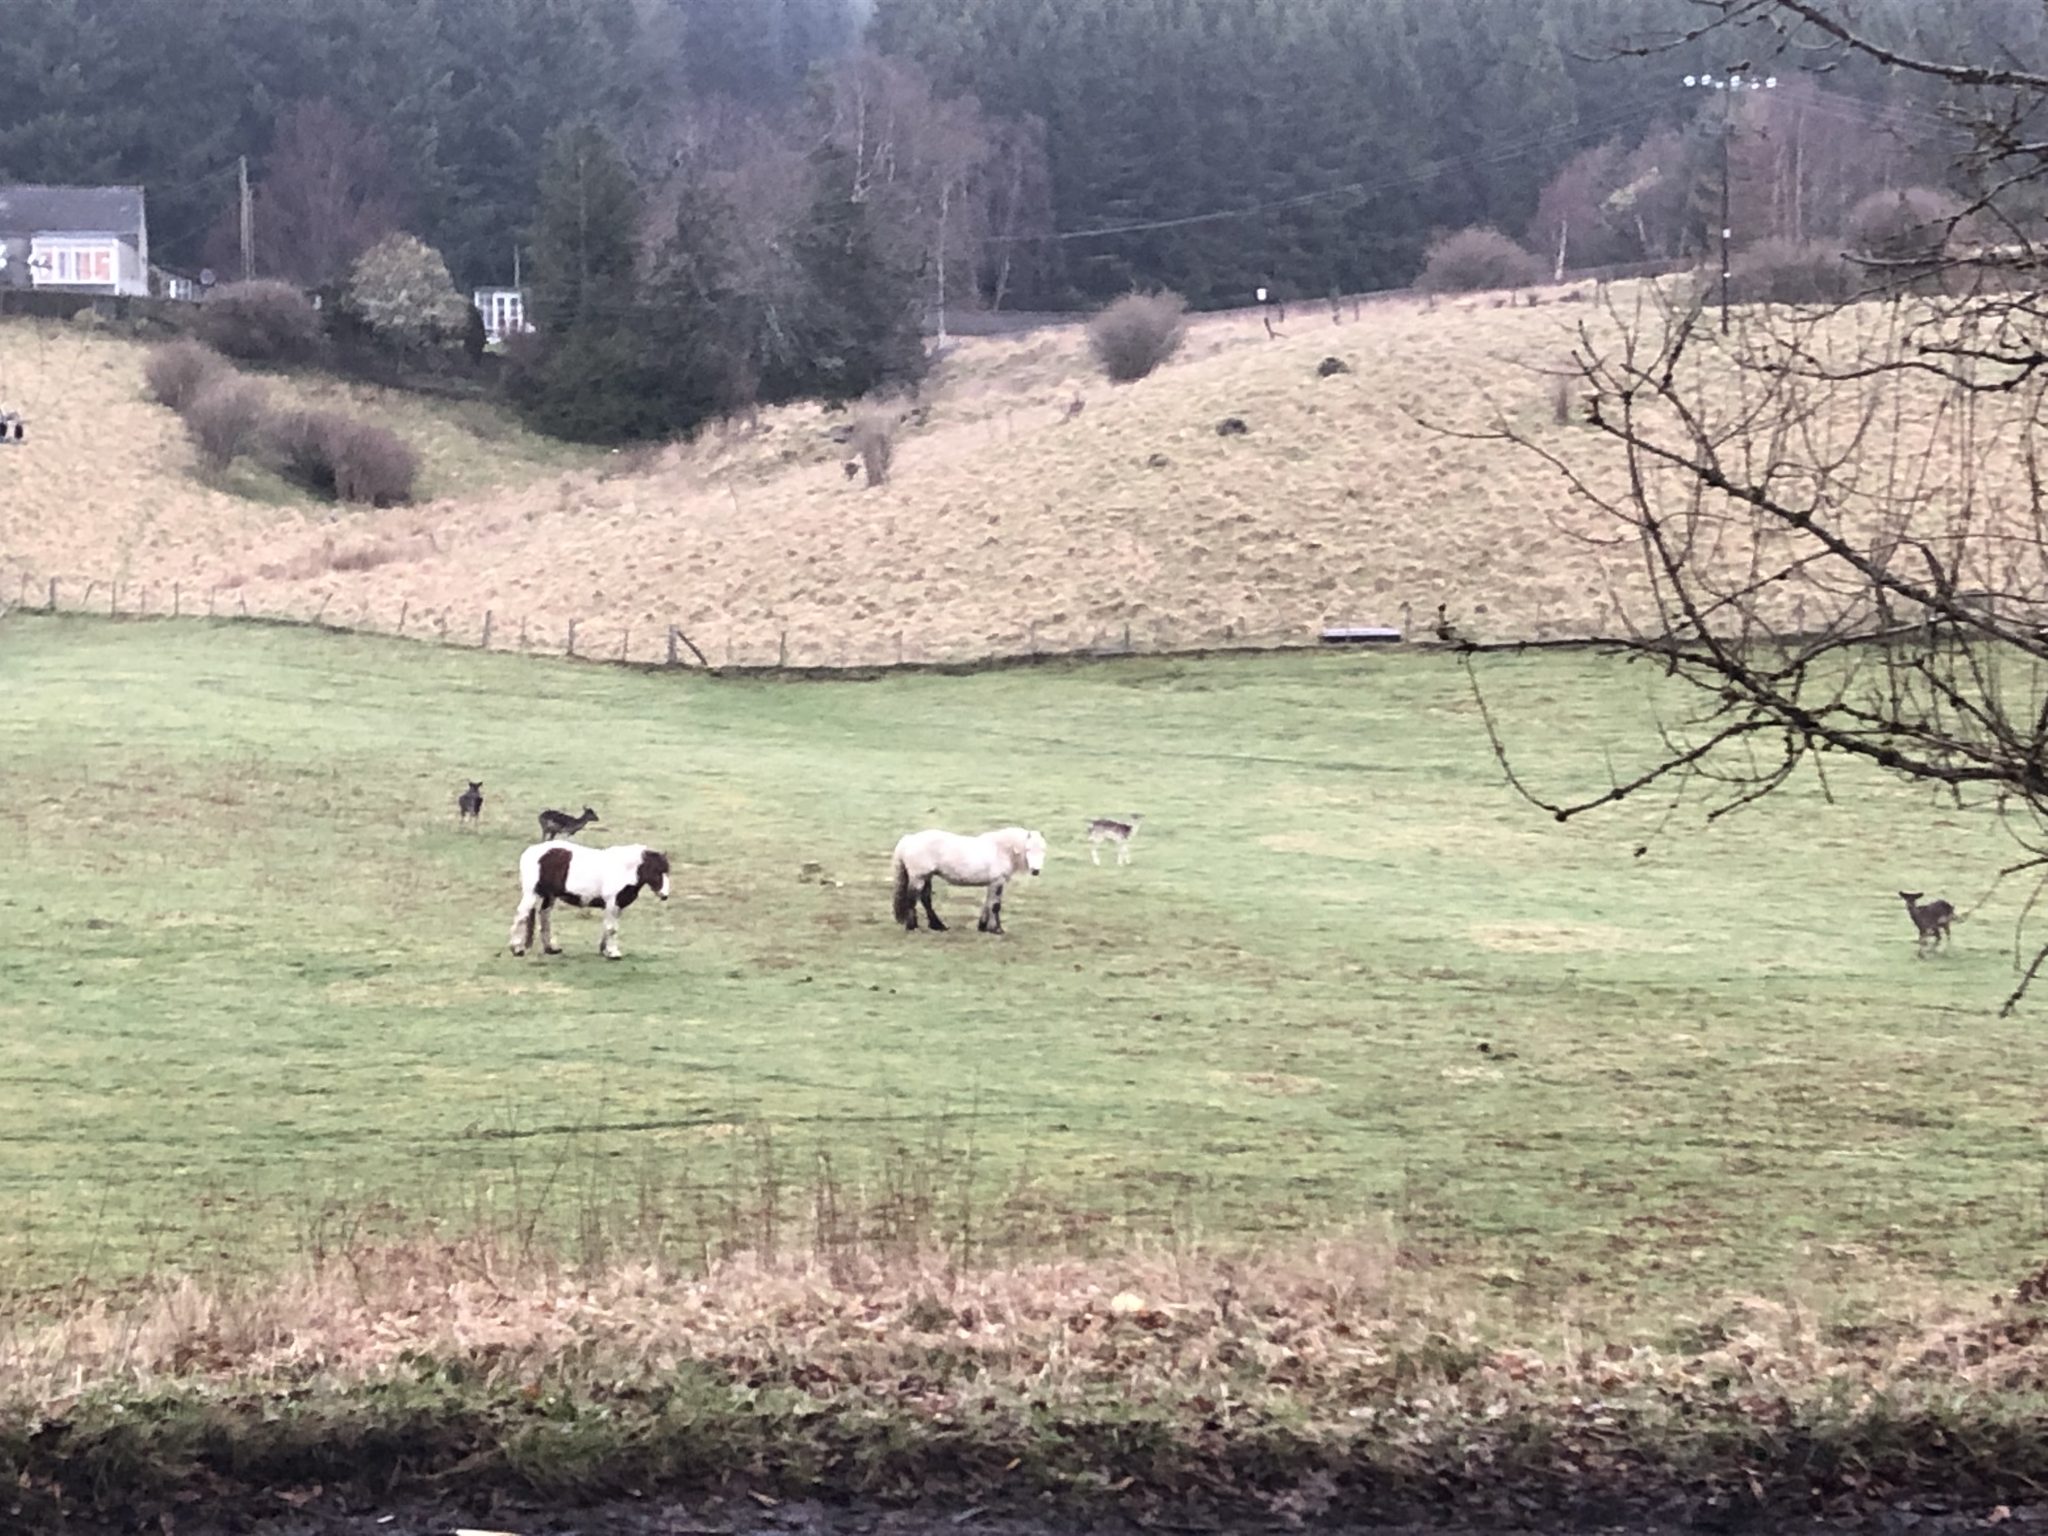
(992, 909)
(608, 940)
(522, 923)
(931, 915)
(548, 946)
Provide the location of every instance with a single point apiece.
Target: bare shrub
(874, 439)
(1137, 333)
(1475, 259)
(261, 322)
(342, 458)
(1784, 271)
(225, 418)
(178, 370)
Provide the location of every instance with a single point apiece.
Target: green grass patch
(256, 1002)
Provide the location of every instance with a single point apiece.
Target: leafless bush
(178, 370)
(874, 439)
(1475, 259)
(1782, 271)
(225, 418)
(261, 322)
(1137, 333)
(340, 457)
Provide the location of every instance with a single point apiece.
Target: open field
(256, 1002)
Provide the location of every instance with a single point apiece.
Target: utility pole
(1728, 87)
(248, 220)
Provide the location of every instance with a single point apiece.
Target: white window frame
(55, 261)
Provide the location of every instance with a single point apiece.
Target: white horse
(988, 860)
(583, 877)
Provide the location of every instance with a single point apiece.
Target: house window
(72, 263)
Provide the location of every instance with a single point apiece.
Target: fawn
(1103, 830)
(470, 803)
(1931, 920)
(554, 824)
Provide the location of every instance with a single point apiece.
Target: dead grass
(1344, 504)
(1332, 1378)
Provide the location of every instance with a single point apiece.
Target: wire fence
(646, 639)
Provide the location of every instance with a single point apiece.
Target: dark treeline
(959, 151)
(1358, 127)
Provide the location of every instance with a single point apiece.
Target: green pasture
(254, 994)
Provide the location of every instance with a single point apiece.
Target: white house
(74, 239)
(504, 312)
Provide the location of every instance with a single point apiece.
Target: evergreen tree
(586, 232)
(859, 327)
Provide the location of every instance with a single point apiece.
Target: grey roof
(28, 210)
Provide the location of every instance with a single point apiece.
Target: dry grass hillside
(1005, 526)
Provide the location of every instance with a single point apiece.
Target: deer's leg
(522, 923)
(1095, 851)
(1123, 851)
(931, 916)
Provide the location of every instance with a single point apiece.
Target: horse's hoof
(551, 951)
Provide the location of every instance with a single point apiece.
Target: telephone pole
(248, 220)
(1728, 86)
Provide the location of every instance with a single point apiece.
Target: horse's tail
(906, 903)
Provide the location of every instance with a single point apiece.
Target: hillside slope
(1005, 526)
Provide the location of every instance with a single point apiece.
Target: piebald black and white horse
(988, 860)
(611, 878)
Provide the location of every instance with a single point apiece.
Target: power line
(1429, 171)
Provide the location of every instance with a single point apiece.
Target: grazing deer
(1931, 920)
(1103, 830)
(1446, 631)
(554, 824)
(470, 803)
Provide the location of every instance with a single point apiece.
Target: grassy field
(255, 999)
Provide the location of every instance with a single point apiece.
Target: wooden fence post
(211, 594)
(522, 635)
(53, 594)
(625, 640)
(570, 648)
(404, 607)
(242, 600)
(782, 651)
(671, 645)
(485, 643)
(114, 600)
(177, 601)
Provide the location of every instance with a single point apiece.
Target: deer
(469, 805)
(554, 824)
(1931, 920)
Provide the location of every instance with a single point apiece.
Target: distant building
(504, 312)
(74, 239)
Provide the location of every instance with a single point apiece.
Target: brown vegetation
(1137, 334)
(263, 322)
(178, 370)
(1473, 260)
(225, 418)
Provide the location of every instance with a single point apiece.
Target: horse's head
(653, 872)
(1034, 851)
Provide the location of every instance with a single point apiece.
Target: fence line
(647, 641)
